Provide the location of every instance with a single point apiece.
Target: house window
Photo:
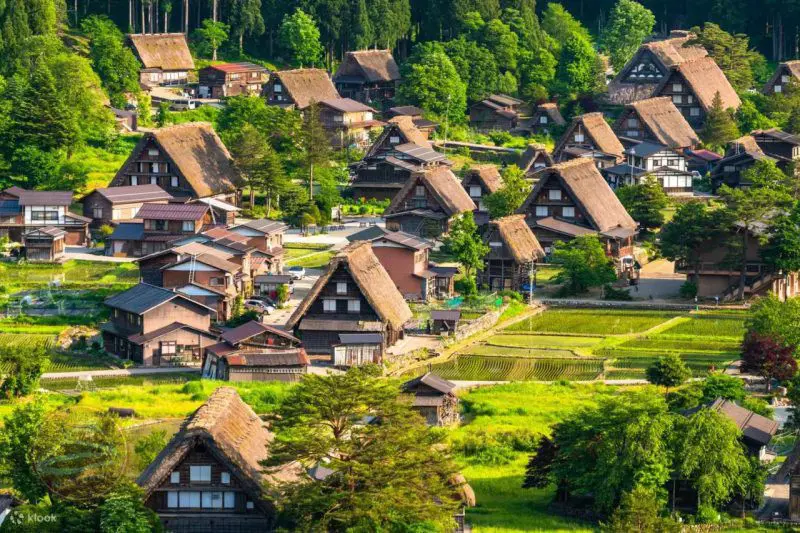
(154, 168)
(134, 180)
(328, 306)
(341, 287)
(778, 88)
(568, 212)
(633, 133)
(673, 162)
(216, 282)
(175, 477)
(677, 99)
(579, 137)
(153, 180)
(694, 112)
(419, 190)
(173, 181)
(225, 478)
(543, 120)
(542, 211)
(633, 123)
(188, 225)
(168, 348)
(200, 473)
(250, 505)
(730, 168)
(212, 500)
(689, 99)
(475, 191)
(554, 194)
(277, 88)
(230, 500)
(394, 139)
(97, 212)
(353, 306)
(116, 313)
(677, 88)
(189, 499)
(152, 152)
(496, 244)
(172, 499)
(784, 79)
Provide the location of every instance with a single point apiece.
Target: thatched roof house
(409, 130)
(434, 399)
(656, 119)
(589, 135)
(534, 158)
(230, 441)
(513, 247)
(518, 238)
(353, 294)
(427, 201)
(165, 57)
(300, 87)
(706, 79)
(572, 199)
(787, 72)
(544, 118)
(194, 155)
(367, 76)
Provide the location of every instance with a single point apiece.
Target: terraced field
(58, 362)
(587, 344)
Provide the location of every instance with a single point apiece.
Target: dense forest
(773, 26)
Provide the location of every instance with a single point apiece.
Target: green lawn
(308, 255)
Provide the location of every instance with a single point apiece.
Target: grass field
(72, 274)
(59, 362)
(309, 255)
(588, 344)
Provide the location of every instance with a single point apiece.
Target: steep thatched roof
(706, 79)
(530, 155)
(230, 431)
(551, 110)
(745, 143)
(442, 184)
(518, 238)
(664, 122)
(371, 65)
(590, 191)
(598, 131)
(488, 175)
(371, 278)
(412, 134)
(199, 155)
(674, 50)
(307, 85)
(792, 67)
(165, 51)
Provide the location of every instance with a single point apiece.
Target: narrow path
(121, 372)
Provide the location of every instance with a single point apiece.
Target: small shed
(45, 244)
(434, 399)
(445, 321)
(267, 284)
(355, 349)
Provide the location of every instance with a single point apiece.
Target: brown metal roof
(251, 329)
(346, 105)
(133, 194)
(44, 197)
(172, 211)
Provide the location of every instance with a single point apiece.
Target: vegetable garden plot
(709, 326)
(684, 344)
(479, 368)
(505, 351)
(592, 321)
(542, 341)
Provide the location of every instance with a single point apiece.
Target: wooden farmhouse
(209, 477)
(354, 294)
(572, 199)
(369, 76)
(299, 88)
(589, 137)
(427, 203)
(740, 155)
(209, 279)
(22, 211)
(649, 160)
(513, 253)
(496, 112)
(757, 431)
(188, 161)
(267, 236)
(406, 259)
(415, 114)
(44, 244)
(656, 120)
(165, 58)
(642, 75)
(533, 159)
(434, 399)
(151, 266)
(398, 151)
(154, 326)
(348, 122)
(160, 225)
(780, 145)
(692, 86)
(231, 79)
(545, 119)
(480, 181)
(786, 73)
(255, 352)
(112, 205)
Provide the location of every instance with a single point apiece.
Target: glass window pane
(172, 499)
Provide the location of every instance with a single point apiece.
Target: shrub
(106, 230)
(610, 293)
(192, 387)
(511, 295)
(688, 289)
(485, 449)
(148, 447)
(706, 514)
(466, 286)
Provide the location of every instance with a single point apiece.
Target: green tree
(431, 82)
(465, 243)
(384, 476)
(685, 238)
(16, 440)
(507, 199)
(719, 385)
(246, 20)
(772, 318)
(629, 24)
(669, 371)
(25, 366)
(584, 264)
(124, 510)
(731, 52)
(749, 118)
(710, 456)
(782, 251)
(607, 450)
(502, 43)
(719, 127)
(561, 26)
(114, 62)
(249, 150)
(300, 36)
(640, 510)
(579, 71)
(211, 35)
(537, 73)
(148, 447)
(163, 114)
(316, 144)
(645, 201)
(475, 65)
(363, 32)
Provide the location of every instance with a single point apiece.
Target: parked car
(297, 272)
(259, 306)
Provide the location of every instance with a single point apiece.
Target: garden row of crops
(480, 368)
(62, 384)
(592, 321)
(504, 351)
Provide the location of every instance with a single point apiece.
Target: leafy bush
(688, 289)
(706, 514)
(484, 449)
(466, 286)
(192, 387)
(610, 293)
(511, 295)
